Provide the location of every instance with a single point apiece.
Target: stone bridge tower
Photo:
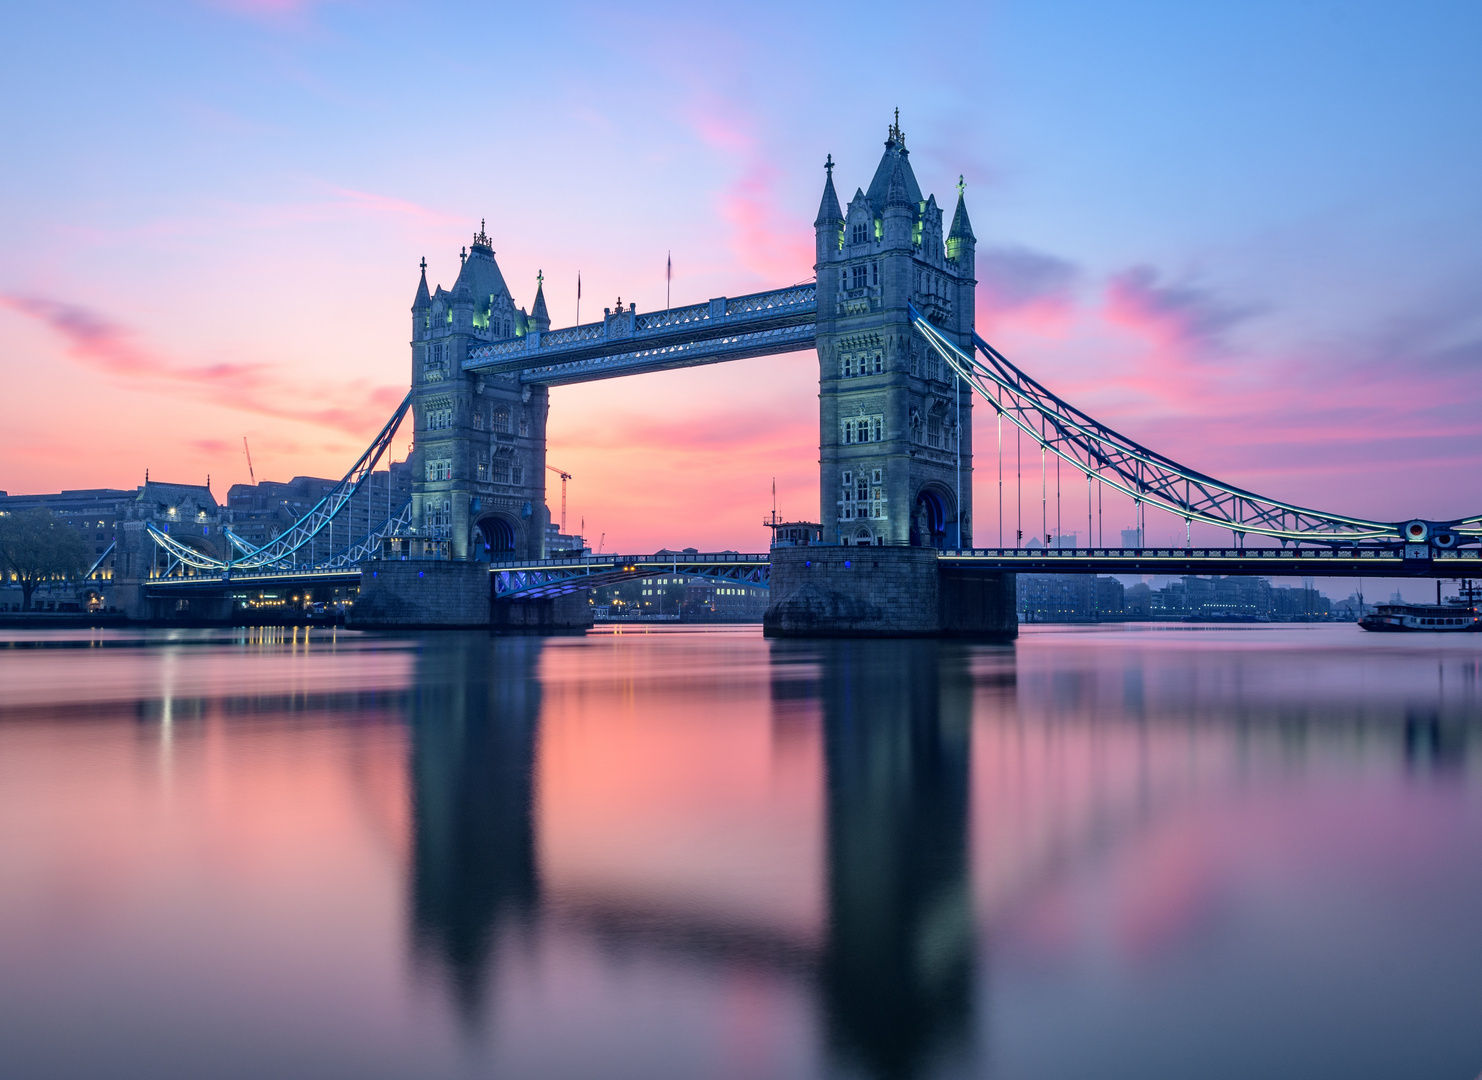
(478, 479)
(895, 436)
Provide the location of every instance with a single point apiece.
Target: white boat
(1456, 616)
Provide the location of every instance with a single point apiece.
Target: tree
(36, 547)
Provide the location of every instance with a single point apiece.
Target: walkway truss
(1110, 458)
(286, 552)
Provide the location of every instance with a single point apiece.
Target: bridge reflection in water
(473, 721)
(904, 799)
(700, 853)
(889, 948)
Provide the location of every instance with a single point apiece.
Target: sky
(1245, 234)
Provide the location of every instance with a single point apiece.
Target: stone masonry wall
(885, 592)
(431, 593)
(852, 592)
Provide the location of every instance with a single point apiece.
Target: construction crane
(249, 460)
(565, 476)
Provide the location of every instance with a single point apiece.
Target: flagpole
(578, 298)
(668, 277)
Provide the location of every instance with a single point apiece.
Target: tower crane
(565, 476)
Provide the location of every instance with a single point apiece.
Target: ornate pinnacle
(423, 264)
(961, 187)
(829, 166)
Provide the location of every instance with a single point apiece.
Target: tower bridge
(890, 316)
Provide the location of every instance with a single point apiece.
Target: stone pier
(885, 592)
(429, 593)
(454, 594)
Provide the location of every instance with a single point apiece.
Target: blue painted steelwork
(282, 552)
(1111, 458)
(556, 577)
(91, 570)
(627, 343)
(1417, 560)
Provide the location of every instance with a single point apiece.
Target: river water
(1110, 851)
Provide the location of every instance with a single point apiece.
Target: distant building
(1068, 598)
(1132, 538)
(559, 545)
(1237, 599)
(94, 512)
(1064, 541)
(1137, 602)
(738, 601)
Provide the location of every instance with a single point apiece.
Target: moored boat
(1455, 617)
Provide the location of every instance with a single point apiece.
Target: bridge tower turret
(478, 460)
(895, 432)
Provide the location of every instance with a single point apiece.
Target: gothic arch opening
(930, 518)
(494, 537)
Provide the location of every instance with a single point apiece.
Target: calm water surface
(1108, 852)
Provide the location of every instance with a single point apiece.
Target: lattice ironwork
(557, 577)
(682, 329)
(677, 355)
(282, 551)
(1148, 477)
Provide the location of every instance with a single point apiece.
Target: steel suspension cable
(1140, 473)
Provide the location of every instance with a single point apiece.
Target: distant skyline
(1247, 235)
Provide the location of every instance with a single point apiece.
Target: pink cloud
(1170, 314)
(107, 346)
(387, 205)
(767, 235)
(1023, 289)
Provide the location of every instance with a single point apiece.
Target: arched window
(501, 420)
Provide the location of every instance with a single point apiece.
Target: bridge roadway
(555, 577)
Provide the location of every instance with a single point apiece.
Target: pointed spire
(897, 194)
(423, 300)
(828, 208)
(538, 313)
(538, 308)
(962, 228)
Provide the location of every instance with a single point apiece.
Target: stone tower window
(524, 424)
(501, 420)
(859, 234)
